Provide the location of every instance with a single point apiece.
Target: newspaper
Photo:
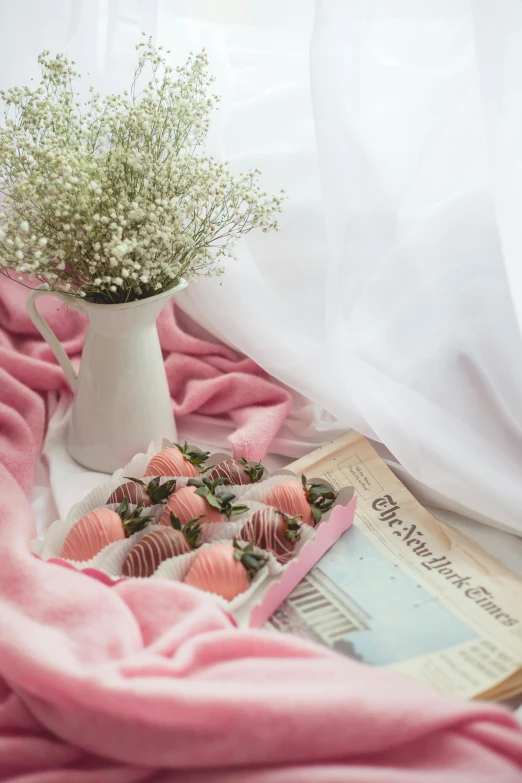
(404, 590)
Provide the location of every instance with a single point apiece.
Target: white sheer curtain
(393, 296)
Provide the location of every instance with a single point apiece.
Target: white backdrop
(393, 296)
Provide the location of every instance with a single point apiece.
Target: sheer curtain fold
(392, 298)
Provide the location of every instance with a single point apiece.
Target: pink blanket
(151, 682)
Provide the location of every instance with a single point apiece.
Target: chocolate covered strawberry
(307, 499)
(202, 499)
(274, 531)
(147, 493)
(224, 569)
(159, 545)
(95, 530)
(177, 460)
(237, 471)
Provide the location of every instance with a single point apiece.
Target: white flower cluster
(114, 200)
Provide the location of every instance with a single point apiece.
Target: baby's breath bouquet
(113, 199)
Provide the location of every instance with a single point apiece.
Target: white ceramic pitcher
(121, 395)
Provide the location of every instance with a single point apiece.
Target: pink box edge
(341, 519)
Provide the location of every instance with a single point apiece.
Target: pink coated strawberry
(225, 570)
(177, 461)
(306, 499)
(101, 527)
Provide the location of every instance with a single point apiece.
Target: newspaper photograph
(404, 590)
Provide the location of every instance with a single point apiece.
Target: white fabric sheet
(392, 298)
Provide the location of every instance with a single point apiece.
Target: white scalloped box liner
(176, 568)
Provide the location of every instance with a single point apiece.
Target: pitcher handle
(48, 334)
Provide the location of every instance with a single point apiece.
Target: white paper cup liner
(234, 529)
(36, 546)
(307, 534)
(227, 531)
(114, 555)
(259, 491)
(96, 498)
(176, 568)
(135, 468)
(218, 532)
(55, 538)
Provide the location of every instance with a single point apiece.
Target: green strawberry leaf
(136, 481)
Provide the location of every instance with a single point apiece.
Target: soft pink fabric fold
(149, 681)
(204, 377)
